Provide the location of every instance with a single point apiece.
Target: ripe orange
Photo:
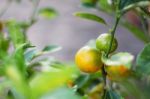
(88, 59)
(117, 72)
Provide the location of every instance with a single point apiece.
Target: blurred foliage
(142, 61)
(25, 75)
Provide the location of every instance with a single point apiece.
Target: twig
(112, 35)
(32, 18)
(105, 81)
(118, 15)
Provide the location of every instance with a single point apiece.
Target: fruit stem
(105, 81)
(113, 30)
(113, 34)
(107, 54)
(32, 18)
(111, 42)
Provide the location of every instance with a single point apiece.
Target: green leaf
(143, 60)
(136, 32)
(48, 13)
(15, 33)
(4, 43)
(63, 92)
(89, 3)
(49, 81)
(51, 48)
(29, 55)
(90, 16)
(126, 5)
(18, 57)
(132, 87)
(17, 80)
(105, 6)
(122, 58)
(82, 80)
(112, 95)
(32, 54)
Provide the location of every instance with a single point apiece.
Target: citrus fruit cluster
(88, 59)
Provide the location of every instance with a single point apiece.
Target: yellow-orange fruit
(88, 59)
(117, 72)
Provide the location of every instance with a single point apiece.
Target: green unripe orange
(88, 59)
(103, 43)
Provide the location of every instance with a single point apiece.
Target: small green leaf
(48, 49)
(136, 32)
(112, 95)
(15, 33)
(125, 3)
(122, 58)
(51, 48)
(29, 55)
(136, 4)
(89, 3)
(90, 16)
(143, 60)
(82, 80)
(105, 5)
(18, 57)
(48, 13)
(32, 54)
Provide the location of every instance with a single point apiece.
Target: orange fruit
(88, 59)
(117, 72)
